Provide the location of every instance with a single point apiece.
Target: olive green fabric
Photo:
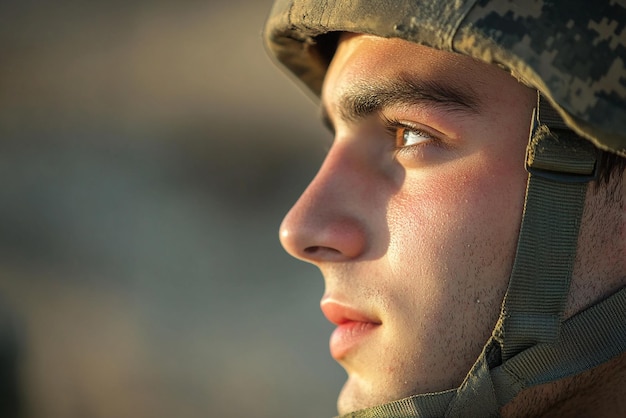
(423, 406)
(585, 341)
(573, 51)
(560, 165)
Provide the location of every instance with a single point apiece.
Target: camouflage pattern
(573, 51)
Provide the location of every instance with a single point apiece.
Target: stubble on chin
(357, 394)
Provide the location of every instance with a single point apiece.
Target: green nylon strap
(418, 406)
(559, 165)
(587, 340)
(476, 395)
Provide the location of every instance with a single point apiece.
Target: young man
(467, 275)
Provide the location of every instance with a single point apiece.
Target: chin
(352, 398)
(357, 394)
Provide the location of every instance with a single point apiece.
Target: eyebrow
(363, 99)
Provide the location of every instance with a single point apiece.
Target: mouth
(353, 327)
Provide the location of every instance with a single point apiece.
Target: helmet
(574, 55)
(570, 51)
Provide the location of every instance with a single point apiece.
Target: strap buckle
(559, 154)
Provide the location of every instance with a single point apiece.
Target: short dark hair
(609, 165)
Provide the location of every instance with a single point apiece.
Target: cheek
(456, 234)
(452, 239)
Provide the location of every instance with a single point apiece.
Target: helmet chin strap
(531, 343)
(560, 166)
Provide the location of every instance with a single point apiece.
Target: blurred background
(148, 152)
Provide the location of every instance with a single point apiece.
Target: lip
(353, 327)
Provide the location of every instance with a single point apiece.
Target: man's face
(413, 217)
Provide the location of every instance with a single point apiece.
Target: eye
(415, 144)
(406, 136)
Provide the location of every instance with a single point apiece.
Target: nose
(327, 223)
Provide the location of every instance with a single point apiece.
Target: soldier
(469, 219)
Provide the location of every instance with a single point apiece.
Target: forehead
(363, 58)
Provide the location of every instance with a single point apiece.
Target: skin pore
(414, 215)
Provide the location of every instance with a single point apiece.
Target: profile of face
(414, 215)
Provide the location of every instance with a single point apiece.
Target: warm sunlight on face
(413, 217)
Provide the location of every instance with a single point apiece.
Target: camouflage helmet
(572, 51)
